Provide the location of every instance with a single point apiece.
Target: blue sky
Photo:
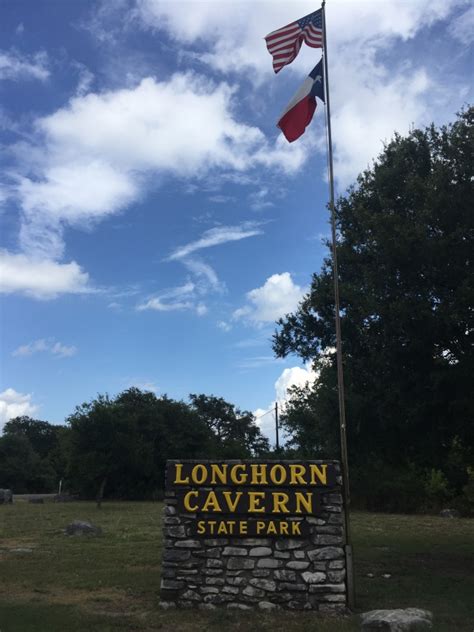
(154, 224)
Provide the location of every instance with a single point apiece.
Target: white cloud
(171, 125)
(221, 199)
(61, 194)
(85, 80)
(294, 376)
(462, 28)
(182, 298)
(106, 21)
(14, 404)
(15, 66)
(257, 341)
(63, 351)
(201, 309)
(33, 347)
(223, 325)
(383, 106)
(265, 420)
(70, 194)
(217, 237)
(159, 305)
(259, 200)
(51, 346)
(371, 98)
(205, 273)
(42, 279)
(3, 193)
(258, 361)
(93, 157)
(235, 41)
(279, 295)
(232, 30)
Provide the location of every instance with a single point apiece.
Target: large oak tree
(405, 252)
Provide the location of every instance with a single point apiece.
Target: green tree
(237, 434)
(405, 245)
(42, 435)
(100, 446)
(167, 429)
(21, 468)
(120, 446)
(45, 440)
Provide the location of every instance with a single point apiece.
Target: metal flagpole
(340, 373)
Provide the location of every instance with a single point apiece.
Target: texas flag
(299, 111)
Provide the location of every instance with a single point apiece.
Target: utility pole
(276, 427)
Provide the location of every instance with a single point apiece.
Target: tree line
(118, 447)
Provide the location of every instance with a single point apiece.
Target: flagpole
(340, 373)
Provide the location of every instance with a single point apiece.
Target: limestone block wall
(298, 573)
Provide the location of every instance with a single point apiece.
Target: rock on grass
(81, 527)
(408, 620)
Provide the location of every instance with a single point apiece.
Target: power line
(271, 410)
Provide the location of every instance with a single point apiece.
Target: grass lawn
(111, 583)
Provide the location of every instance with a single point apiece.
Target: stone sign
(254, 534)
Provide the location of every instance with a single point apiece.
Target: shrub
(436, 488)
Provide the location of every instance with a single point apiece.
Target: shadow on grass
(31, 617)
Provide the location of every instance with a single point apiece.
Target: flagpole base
(350, 584)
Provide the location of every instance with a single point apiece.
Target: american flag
(285, 43)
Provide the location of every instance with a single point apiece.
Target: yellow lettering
(222, 528)
(305, 500)
(260, 526)
(186, 501)
(297, 475)
(228, 498)
(238, 480)
(295, 528)
(281, 478)
(254, 502)
(230, 524)
(211, 503)
(259, 474)
(201, 529)
(219, 472)
(283, 528)
(243, 528)
(211, 524)
(199, 474)
(280, 500)
(178, 480)
(317, 473)
(271, 528)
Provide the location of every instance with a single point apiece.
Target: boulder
(6, 496)
(81, 527)
(407, 620)
(450, 513)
